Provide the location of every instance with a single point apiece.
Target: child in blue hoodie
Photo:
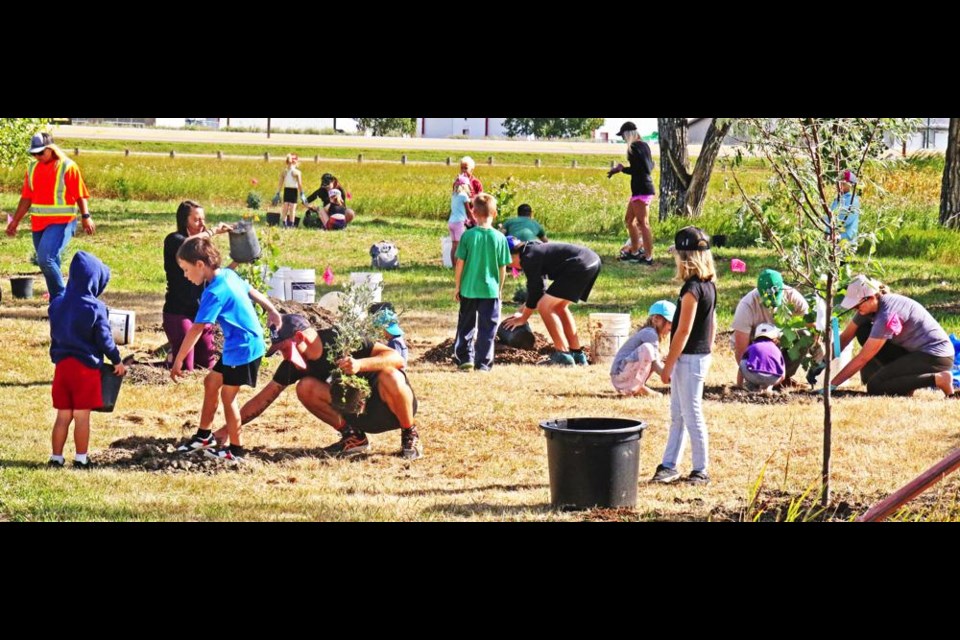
(79, 338)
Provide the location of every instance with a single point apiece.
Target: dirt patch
(158, 454)
(443, 352)
(622, 514)
(733, 393)
(778, 506)
(317, 316)
(143, 453)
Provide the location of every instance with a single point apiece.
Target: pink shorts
(635, 374)
(643, 199)
(456, 230)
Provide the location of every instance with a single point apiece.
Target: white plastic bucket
(373, 280)
(446, 244)
(608, 332)
(303, 285)
(123, 325)
(278, 284)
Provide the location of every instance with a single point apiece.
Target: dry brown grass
(485, 457)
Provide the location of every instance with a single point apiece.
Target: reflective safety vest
(53, 190)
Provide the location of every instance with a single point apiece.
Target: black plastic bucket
(244, 246)
(273, 219)
(519, 337)
(594, 462)
(109, 388)
(718, 241)
(22, 287)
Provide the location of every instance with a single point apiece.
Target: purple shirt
(764, 356)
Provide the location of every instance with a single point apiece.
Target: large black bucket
(109, 388)
(519, 337)
(594, 462)
(22, 287)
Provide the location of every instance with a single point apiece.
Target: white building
(464, 127)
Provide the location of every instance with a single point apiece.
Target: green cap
(770, 286)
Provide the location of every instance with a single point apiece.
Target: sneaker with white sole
(352, 442)
(665, 475)
(410, 447)
(224, 455)
(198, 443)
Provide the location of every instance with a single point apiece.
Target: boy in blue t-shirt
(225, 301)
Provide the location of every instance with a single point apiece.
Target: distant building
(460, 127)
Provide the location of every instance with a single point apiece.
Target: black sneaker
(626, 256)
(665, 475)
(698, 477)
(198, 443)
(224, 455)
(410, 447)
(83, 465)
(646, 261)
(352, 442)
(55, 464)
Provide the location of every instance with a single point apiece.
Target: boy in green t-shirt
(482, 259)
(524, 227)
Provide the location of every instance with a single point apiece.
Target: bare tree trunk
(674, 165)
(950, 188)
(683, 193)
(827, 374)
(697, 191)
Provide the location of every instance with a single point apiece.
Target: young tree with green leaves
(807, 157)
(15, 137)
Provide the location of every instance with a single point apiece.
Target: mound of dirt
(443, 352)
(732, 393)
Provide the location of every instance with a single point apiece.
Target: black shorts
(575, 284)
(244, 374)
(289, 195)
(376, 416)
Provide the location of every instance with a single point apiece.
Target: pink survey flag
(738, 266)
(328, 276)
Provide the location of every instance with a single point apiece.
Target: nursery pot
(594, 462)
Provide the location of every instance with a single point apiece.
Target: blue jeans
(479, 318)
(49, 245)
(686, 411)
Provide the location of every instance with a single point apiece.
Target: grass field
(485, 457)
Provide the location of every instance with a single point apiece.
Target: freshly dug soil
(542, 348)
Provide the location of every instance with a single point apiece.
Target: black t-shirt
(323, 193)
(641, 166)
(183, 297)
(705, 294)
(288, 373)
(552, 260)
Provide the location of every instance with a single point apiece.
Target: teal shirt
(483, 252)
(524, 228)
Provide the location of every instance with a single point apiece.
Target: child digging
(226, 301)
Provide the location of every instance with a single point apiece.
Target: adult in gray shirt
(903, 347)
(758, 307)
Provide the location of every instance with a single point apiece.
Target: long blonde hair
(695, 263)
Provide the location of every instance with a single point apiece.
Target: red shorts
(76, 386)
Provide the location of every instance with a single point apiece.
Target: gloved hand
(303, 199)
(276, 199)
(815, 371)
